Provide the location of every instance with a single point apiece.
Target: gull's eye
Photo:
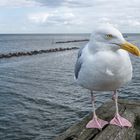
(109, 36)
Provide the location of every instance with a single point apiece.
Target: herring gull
(103, 64)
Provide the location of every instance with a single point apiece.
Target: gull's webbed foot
(120, 121)
(96, 123)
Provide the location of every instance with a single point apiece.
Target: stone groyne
(35, 52)
(71, 41)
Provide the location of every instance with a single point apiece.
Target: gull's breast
(105, 70)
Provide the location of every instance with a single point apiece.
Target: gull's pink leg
(118, 120)
(95, 122)
(113, 96)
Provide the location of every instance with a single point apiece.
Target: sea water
(39, 98)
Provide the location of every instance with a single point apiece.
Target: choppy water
(38, 96)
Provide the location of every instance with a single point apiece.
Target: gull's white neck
(95, 47)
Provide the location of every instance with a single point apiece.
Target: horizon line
(52, 33)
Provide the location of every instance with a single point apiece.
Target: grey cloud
(51, 3)
(67, 3)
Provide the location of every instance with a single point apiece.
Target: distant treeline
(35, 52)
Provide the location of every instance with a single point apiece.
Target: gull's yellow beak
(130, 48)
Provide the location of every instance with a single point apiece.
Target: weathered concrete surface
(127, 108)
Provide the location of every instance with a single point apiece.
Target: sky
(68, 16)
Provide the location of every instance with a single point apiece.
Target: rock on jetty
(35, 52)
(128, 109)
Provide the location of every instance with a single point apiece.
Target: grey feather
(80, 51)
(78, 62)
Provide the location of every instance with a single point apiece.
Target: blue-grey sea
(39, 98)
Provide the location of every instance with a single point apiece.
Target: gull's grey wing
(78, 62)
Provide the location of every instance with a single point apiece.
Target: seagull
(103, 64)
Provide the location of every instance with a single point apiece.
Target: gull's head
(107, 37)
